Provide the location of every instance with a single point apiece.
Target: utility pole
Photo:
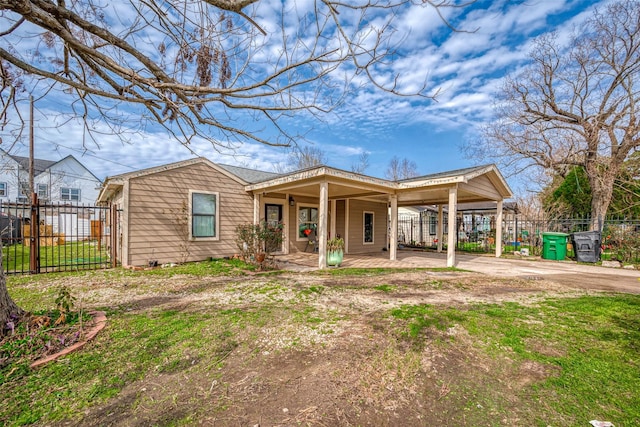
(34, 249)
(31, 151)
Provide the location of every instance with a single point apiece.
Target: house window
(3, 189)
(43, 191)
(70, 194)
(204, 215)
(307, 221)
(368, 227)
(24, 191)
(432, 225)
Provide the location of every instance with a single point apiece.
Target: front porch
(364, 210)
(302, 261)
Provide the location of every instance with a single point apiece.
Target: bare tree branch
(575, 107)
(210, 69)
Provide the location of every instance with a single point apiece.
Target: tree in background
(401, 169)
(577, 106)
(571, 195)
(362, 164)
(307, 157)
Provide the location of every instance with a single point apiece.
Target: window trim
(5, 191)
(46, 191)
(216, 216)
(373, 227)
(303, 205)
(433, 225)
(70, 199)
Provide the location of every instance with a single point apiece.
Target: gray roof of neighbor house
(39, 165)
(249, 175)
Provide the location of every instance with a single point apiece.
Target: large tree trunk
(9, 310)
(601, 182)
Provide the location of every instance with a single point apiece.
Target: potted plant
(335, 251)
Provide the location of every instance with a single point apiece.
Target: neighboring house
(189, 210)
(65, 181)
(418, 225)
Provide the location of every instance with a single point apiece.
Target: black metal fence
(45, 237)
(476, 233)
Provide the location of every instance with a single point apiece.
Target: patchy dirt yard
(319, 350)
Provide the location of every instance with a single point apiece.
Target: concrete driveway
(572, 274)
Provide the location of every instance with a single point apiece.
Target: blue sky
(466, 67)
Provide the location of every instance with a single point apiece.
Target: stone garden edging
(100, 319)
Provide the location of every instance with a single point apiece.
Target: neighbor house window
(24, 191)
(3, 189)
(368, 227)
(432, 225)
(43, 191)
(70, 194)
(204, 215)
(307, 221)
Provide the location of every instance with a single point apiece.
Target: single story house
(188, 211)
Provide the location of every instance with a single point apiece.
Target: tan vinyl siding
(356, 226)
(159, 211)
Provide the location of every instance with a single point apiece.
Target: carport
(326, 186)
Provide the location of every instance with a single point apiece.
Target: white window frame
(46, 191)
(373, 227)
(303, 205)
(217, 216)
(4, 189)
(69, 198)
(433, 225)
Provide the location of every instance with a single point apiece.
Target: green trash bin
(554, 245)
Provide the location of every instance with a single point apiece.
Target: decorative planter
(335, 257)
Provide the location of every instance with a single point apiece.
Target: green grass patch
(378, 271)
(385, 288)
(593, 343)
(75, 255)
(133, 346)
(215, 267)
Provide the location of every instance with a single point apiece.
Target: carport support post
(451, 237)
(393, 232)
(322, 224)
(439, 231)
(499, 229)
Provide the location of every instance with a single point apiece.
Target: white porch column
(451, 237)
(393, 232)
(322, 224)
(285, 218)
(499, 229)
(440, 228)
(346, 226)
(334, 211)
(256, 208)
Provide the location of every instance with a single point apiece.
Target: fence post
(34, 247)
(114, 235)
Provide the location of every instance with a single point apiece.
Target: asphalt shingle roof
(249, 175)
(39, 165)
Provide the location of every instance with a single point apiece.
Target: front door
(273, 216)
